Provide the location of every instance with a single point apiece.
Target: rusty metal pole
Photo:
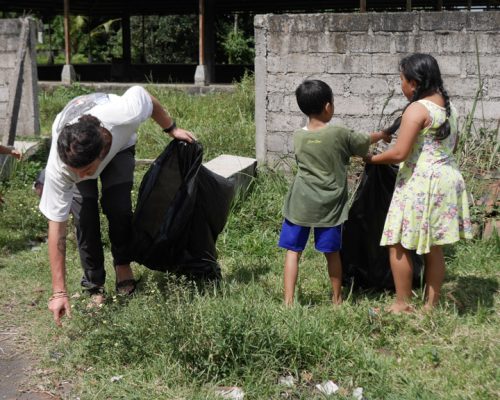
(201, 73)
(67, 44)
(201, 32)
(68, 74)
(362, 5)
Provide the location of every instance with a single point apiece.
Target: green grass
(175, 341)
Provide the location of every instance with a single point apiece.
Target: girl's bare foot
(398, 308)
(428, 308)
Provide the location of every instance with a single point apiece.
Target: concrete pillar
(68, 74)
(261, 59)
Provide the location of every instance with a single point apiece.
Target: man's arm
(58, 303)
(161, 117)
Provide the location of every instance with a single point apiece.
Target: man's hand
(59, 307)
(181, 134)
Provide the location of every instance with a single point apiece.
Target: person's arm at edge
(161, 117)
(57, 258)
(10, 151)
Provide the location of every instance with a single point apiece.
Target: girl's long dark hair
(424, 70)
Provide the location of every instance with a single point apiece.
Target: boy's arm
(380, 135)
(412, 122)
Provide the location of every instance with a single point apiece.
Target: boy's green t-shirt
(318, 195)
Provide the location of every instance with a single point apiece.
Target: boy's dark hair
(424, 70)
(312, 96)
(81, 143)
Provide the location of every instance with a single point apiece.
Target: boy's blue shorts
(326, 240)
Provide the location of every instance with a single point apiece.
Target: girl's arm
(413, 121)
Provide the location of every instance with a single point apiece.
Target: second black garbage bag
(181, 209)
(365, 263)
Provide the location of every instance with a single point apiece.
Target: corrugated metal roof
(163, 7)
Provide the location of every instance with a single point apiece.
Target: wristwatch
(170, 128)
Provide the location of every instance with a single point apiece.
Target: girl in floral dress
(429, 207)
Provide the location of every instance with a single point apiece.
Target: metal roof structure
(170, 7)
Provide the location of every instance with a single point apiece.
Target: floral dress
(429, 206)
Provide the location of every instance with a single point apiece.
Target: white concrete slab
(27, 148)
(228, 165)
(239, 170)
(7, 162)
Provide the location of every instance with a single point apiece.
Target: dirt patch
(17, 369)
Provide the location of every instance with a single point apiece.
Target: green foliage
(168, 39)
(228, 129)
(238, 48)
(21, 222)
(51, 103)
(235, 43)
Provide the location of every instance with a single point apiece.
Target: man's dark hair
(81, 143)
(312, 96)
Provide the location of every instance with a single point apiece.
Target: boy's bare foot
(288, 303)
(399, 308)
(428, 308)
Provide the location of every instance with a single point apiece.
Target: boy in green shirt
(318, 195)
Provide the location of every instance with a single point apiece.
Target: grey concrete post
(260, 23)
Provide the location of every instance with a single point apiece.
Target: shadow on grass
(356, 296)
(21, 243)
(248, 273)
(169, 283)
(471, 293)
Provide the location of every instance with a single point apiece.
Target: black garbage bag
(181, 209)
(365, 263)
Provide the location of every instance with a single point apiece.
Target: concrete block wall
(10, 49)
(357, 55)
